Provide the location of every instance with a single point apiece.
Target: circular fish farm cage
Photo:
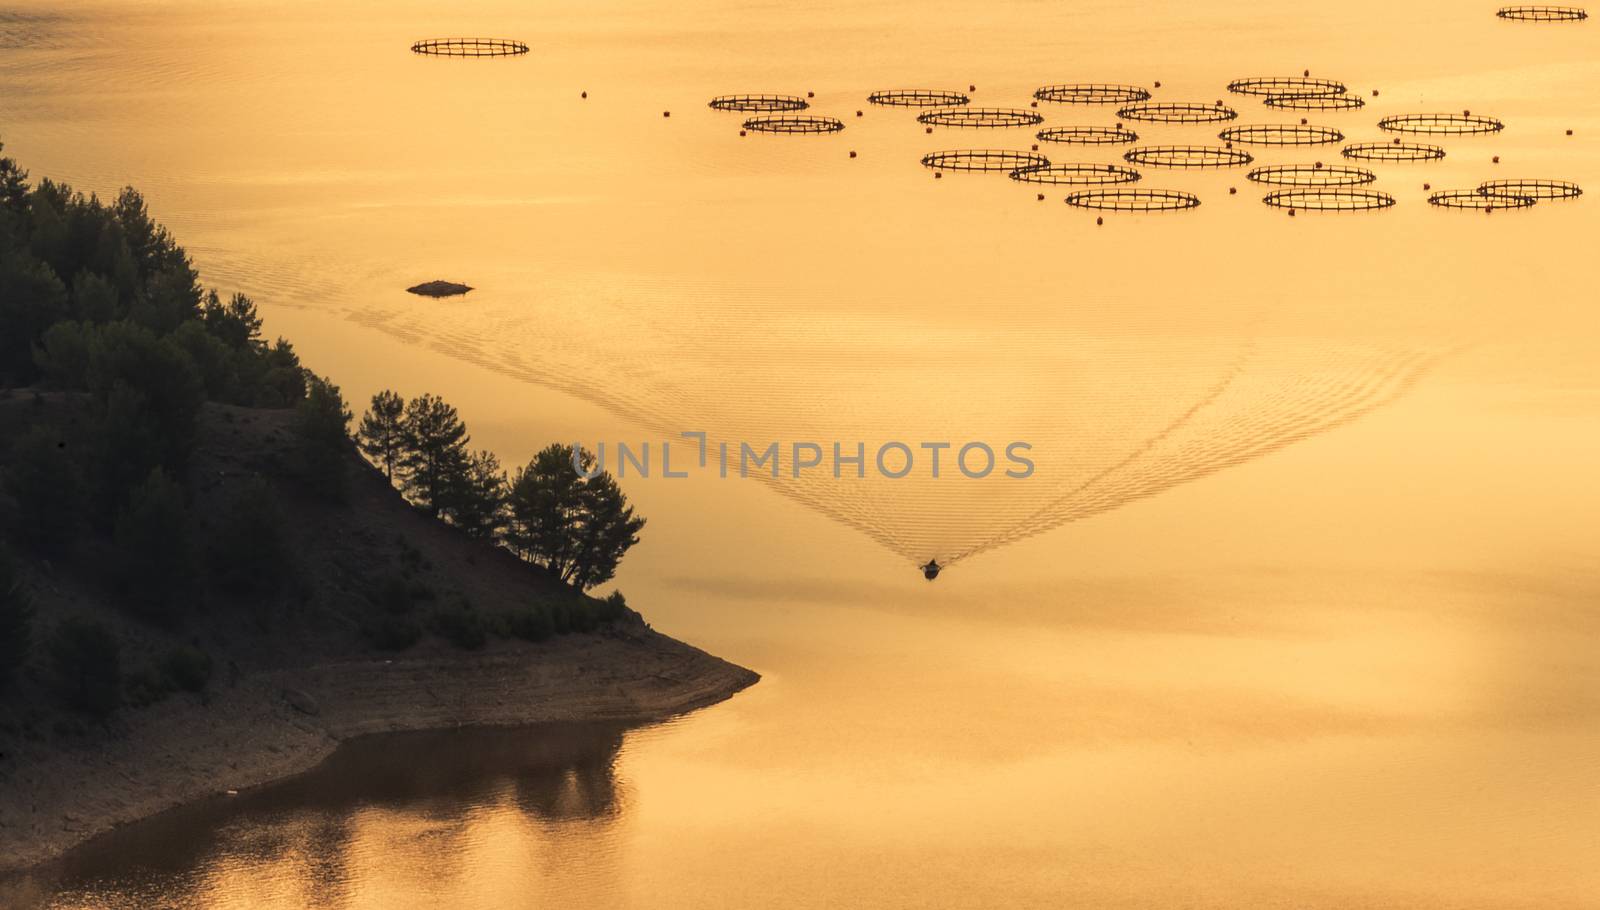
(1287, 85)
(1088, 135)
(1133, 200)
(1543, 13)
(1091, 93)
(1281, 134)
(1007, 160)
(981, 117)
(1441, 124)
(1187, 156)
(469, 47)
(794, 124)
(1177, 112)
(1472, 199)
(1533, 189)
(1077, 174)
(754, 104)
(1397, 151)
(1311, 175)
(917, 97)
(1329, 200)
(1297, 102)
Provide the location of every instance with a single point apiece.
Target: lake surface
(1299, 609)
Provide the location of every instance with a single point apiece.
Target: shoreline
(273, 725)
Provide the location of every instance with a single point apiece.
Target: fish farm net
(759, 103)
(1543, 13)
(1091, 93)
(1187, 156)
(1287, 85)
(1133, 200)
(1482, 202)
(1311, 175)
(1294, 102)
(1329, 200)
(1279, 134)
(981, 117)
(917, 97)
(1076, 174)
(1533, 189)
(1007, 160)
(469, 47)
(1177, 112)
(794, 124)
(1441, 124)
(1397, 151)
(1088, 135)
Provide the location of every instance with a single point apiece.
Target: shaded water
(1345, 658)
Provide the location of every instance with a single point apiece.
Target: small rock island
(439, 289)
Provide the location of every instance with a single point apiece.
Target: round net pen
(1533, 189)
(794, 124)
(1091, 93)
(754, 104)
(1007, 160)
(1287, 85)
(1329, 200)
(1311, 175)
(1177, 112)
(917, 97)
(1292, 102)
(1474, 200)
(1281, 134)
(981, 117)
(1088, 135)
(1397, 151)
(1133, 200)
(1543, 13)
(1077, 174)
(1441, 124)
(1187, 156)
(469, 47)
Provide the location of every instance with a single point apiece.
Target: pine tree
(434, 458)
(577, 529)
(477, 503)
(382, 432)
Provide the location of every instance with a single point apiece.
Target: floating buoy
(1033, 104)
(858, 113)
(1102, 220)
(937, 175)
(1319, 165)
(1426, 187)
(1374, 93)
(584, 95)
(1466, 113)
(741, 132)
(1041, 197)
(1291, 213)
(852, 153)
(1158, 83)
(811, 94)
(1308, 74)
(1569, 132)
(1497, 159)
(928, 130)
(1304, 121)
(972, 88)
(666, 113)
(1233, 191)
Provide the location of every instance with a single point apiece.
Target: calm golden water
(1299, 609)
